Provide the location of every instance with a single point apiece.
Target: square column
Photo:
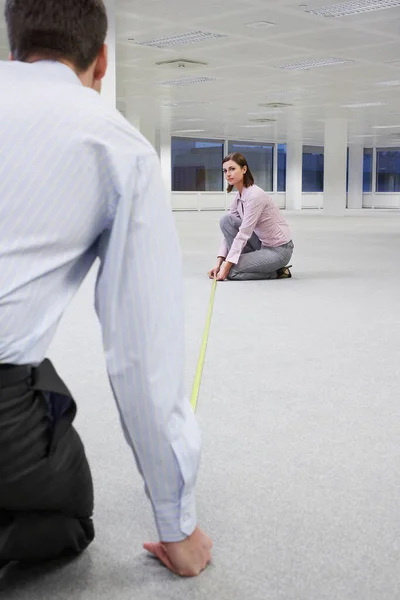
(356, 172)
(109, 84)
(335, 166)
(294, 174)
(166, 160)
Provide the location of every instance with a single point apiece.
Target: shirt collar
(56, 71)
(245, 191)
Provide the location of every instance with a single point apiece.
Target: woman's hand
(214, 272)
(224, 271)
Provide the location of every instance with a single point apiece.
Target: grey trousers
(256, 262)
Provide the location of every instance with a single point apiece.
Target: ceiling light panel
(363, 105)
(354, 7)
(189, 131)
(313, 64)
(188, 81)
(191, 37)
(186, 103)
(393, 83)
(260, 24)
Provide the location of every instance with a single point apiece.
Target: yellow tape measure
(200, 364)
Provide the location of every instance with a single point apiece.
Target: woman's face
(234, 173)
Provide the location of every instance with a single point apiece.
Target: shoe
(284, 273)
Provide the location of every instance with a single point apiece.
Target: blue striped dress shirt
(79, 183)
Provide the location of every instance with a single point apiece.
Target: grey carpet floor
(299, 407)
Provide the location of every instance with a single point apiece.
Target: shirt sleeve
(223, 249)
(139, 302)
(252, 213)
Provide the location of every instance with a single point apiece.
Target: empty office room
(265, 223)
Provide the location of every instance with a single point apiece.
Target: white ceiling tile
(382, 54)
(329, 40)
(245, 65)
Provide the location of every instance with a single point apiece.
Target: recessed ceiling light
(191, 37)
(261, 24)
(189, 131)
(188, 81)
(263, 120)
(389, 83)
(354, 7)
(362, 105)
(313, 64)
(385, 126)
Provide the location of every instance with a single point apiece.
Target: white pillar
(275, 171)
(165, 158)
(356, 172)
(294, 174)
(148, 127)
(335, 164)
(109, 85)
(145, 122)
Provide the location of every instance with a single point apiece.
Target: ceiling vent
(262, 120)
(181, 63)
(275, 105)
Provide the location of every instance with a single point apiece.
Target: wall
(212, 200)
(312, 200)
(381, 200)
(222, 201)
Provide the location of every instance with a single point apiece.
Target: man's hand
(224, 271)
(187, 558)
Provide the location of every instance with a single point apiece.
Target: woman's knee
(228, 221)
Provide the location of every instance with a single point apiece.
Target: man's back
(59, 180)
(78, 182)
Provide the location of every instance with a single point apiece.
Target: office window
(388, 170)
(313, 169)
(260, 158)
(281, 167)
(367, 170)
(197, 165)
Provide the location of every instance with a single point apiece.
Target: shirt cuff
(176, 523)
(223, 249)
(233, 257)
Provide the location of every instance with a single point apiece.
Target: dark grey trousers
(46, 490)
(255, 262)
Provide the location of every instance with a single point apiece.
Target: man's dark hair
(73, 30)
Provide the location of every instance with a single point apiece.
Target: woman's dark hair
(74, 30)
(240, 160)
